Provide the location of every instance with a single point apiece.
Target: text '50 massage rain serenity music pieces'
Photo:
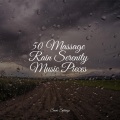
(60, 49)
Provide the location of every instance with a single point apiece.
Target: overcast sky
(94, 23)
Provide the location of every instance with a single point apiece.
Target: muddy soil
(63, 101)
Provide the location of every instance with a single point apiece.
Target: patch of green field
(13, 87)
(106, 84)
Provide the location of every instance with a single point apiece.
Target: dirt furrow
(83, 103)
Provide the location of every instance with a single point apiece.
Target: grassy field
(103, 84)
(12, 87)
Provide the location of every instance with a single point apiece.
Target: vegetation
(12, 87)
(104, 84)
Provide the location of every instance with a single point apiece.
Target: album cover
(59, 59)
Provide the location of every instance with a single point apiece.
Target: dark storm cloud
(69, 13)
(11, 43)
(22, 21)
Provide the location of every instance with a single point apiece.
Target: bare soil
(84, 103)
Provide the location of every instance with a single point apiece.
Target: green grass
(13, 87)
(106, 84)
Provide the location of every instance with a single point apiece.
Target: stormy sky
(94, 23)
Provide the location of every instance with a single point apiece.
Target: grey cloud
(23, 20)
(70, 13)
